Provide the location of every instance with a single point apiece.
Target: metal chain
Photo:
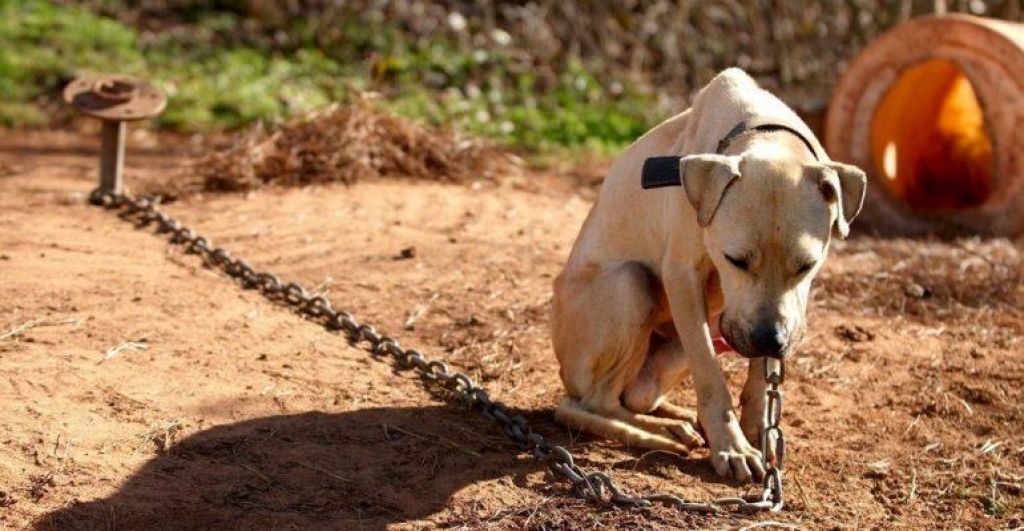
(773, 442)
(596, 487)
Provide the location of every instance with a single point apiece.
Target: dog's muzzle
(770, 340)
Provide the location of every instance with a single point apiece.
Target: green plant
(43, 45)
(220, 73)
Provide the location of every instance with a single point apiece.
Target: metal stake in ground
(115, 100)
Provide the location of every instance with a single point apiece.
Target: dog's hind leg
(646, 393)
(671, 411)
(572, 413)
(602, 323)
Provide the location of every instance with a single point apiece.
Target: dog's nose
(770, 340)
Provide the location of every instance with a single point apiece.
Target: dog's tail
(573, 414)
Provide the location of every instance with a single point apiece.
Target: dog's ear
(705, 179)
(843, 186)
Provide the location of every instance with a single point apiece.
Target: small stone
(472, 320)
(854, 333)
(876, 474)
(406, 254)
(913, 289)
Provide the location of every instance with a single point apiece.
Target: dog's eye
(804, 268)
(739, 263)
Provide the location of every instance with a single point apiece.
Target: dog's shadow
(364, 469)
(359, 470)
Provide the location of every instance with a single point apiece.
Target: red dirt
(904, 405)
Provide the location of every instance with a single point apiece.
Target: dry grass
(926, 280)
(18, 331)
(345, 143)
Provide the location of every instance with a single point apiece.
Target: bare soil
(142, 390)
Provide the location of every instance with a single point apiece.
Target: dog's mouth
(718, 340)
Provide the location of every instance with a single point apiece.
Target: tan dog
(656, 273)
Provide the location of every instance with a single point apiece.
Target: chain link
(596, 487)
(773, 443)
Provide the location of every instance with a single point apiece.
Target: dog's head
(767, 225)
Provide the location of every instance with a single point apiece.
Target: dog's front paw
(753, 424)
(737, 459)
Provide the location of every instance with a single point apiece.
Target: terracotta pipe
(933, 110)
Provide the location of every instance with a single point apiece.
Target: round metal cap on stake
(115, 100)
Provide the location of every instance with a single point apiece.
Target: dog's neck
(744, 128)
(771, 144)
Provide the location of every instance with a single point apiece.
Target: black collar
(664, 171)
(743, 127)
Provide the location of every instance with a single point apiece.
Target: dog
(714, 223)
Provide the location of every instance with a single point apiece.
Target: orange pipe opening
(928, 139)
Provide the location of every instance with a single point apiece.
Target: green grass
(41, 46)
(215, 82)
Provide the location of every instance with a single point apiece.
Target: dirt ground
(140, 390)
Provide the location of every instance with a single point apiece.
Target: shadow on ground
(358, 470)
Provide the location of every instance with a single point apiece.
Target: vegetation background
(539, 75)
